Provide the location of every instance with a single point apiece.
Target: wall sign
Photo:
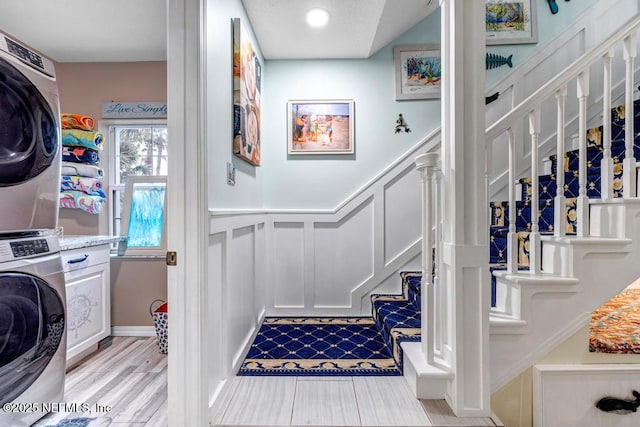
(134, 110)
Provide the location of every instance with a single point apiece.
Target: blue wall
(322, 182)
(549, 26)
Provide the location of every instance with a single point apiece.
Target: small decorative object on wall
(401, 125)
(619, 406)
(247, 80)
(320, 127)
(418, 71)
(494, 61)
(489, 99)
(553, 6)
(510, 21)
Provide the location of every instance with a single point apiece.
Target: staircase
(554, 256)
(547, 192)
(398, 316)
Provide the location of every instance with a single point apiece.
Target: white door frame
(187, 215)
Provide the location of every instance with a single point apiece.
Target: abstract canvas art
(247, 81)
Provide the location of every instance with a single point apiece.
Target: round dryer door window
(28, 128)
(31, 329)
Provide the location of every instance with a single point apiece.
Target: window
(143, 215)
(135, 148)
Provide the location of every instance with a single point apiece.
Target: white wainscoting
(237, 272)
(566, 395)
(311, 262)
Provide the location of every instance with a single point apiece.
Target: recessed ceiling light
(317, 17)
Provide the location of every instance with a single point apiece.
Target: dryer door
(32, 325)
(28, 128)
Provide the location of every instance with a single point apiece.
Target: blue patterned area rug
(321, 346)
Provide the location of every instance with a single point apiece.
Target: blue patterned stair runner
(547, 190)
(398, 316)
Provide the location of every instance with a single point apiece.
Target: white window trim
(106, 127)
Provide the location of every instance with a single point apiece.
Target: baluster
(426, 163)
(582, 204)
(629, 163)
(560, 201)
(606, 164)
(534, 236)
(512, 237)
(439, 291)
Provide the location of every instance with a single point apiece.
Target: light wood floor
(130, 377)
(126, 385)
(332, 401)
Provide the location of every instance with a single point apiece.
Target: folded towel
(80, 155)
(81, 169)
(76, 121)
(82, 138)
(92, 186)
(80, 200)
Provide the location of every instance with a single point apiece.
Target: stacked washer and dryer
(32, 288)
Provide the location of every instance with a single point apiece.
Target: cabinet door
(88, 307)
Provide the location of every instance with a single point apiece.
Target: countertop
(76, 242)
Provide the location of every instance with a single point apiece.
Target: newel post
(426, 164)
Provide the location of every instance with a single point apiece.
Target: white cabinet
(88, 287)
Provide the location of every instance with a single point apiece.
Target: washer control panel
(18, 248)
(25, 248)
(24, 53)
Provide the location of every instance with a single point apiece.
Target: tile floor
(130, 377)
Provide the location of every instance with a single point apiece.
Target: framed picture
(320, 127)
(418, 71)
(247, 89)
(510, 21)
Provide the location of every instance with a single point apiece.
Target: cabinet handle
(77, 260)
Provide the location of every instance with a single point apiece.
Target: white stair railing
(431, 340)
(577, 73)
(560, 201)
(629, 163)
(606, 164)
(582, 203)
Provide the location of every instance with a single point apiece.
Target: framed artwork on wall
(320, 126)
(418, 71)
(247, 89)
(510, 21)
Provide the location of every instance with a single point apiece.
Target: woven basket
(161, 321)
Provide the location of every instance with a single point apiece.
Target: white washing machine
(30, 159)
(32, 328)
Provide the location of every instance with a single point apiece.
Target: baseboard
(237, 364)
(133, 331)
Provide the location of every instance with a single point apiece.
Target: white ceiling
(89, 30)
(135, 30)
(357, 28)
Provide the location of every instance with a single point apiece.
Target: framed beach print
(247, 90)
(418, 71)
(510, 21)
(320, 127)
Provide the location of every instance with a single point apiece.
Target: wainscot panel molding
(312, 262)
